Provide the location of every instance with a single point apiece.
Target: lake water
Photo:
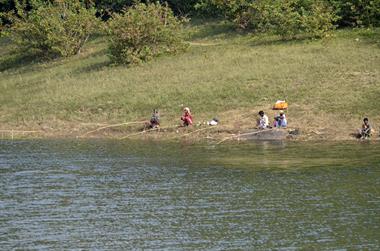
(114, 195)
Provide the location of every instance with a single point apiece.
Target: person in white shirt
(284, 122)
(263, 120)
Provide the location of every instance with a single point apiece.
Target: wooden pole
(157, 128)
(133, 134)
(244, 134)
(198, 130)
(114, 125)
(17, 131)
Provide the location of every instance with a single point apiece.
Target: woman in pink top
(186, 117)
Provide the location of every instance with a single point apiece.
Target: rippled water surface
(113, 195)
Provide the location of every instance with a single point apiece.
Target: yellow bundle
(280, 105)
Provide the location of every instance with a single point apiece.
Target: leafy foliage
(179, 7)
(105, 8)
(226, 8)
(58, 29)
(349, 12)
(357, 12)
(287, 18)
(143, 32)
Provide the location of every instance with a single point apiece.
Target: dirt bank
(303, 126)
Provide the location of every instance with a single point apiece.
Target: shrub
(181, 7)
(357, 12)
(142, 32)
(287, 18)
(107, 7)
(318, 20)
(227, 8)
(58, 29)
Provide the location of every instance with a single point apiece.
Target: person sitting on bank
(263, 121)
(187, 118)
(276, 121)
(155, 119)
(365, 131)
(280, 120)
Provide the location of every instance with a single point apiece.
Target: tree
(179, 7)
(287, 18)
(54, 29)
(357, 12)
(142, 32)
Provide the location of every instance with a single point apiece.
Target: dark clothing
(155, 121)
(366, 130)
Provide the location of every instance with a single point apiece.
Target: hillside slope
(330, 84)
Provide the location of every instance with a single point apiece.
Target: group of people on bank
(187, 120)
(279, 121)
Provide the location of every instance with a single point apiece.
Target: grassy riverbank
(330, 84)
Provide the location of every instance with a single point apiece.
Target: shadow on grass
(29, 61)
(93, 67)
(269, 39)
(15, 60)
(212, 29)
(221, 29)
(370, 36)
(92, 54)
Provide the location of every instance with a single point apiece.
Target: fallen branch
(114, 125)
(18, 131)
(157, 128)
(133, 134)
(13, 132)
(219, 142)
(198, 130)
(244, 134)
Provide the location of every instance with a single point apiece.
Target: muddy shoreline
(218, 134)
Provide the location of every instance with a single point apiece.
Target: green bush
(290, 18)
(179, 7)
(142, 32)
(357, 12)
(349, 12)
(319, 20)
(58, 29)
(225, 8)
(287, 18)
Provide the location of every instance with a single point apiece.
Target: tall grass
(222, 71)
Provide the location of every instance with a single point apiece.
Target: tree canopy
(142, 29)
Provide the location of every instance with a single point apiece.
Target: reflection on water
(149, 195)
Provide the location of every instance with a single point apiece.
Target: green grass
(222, 71)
